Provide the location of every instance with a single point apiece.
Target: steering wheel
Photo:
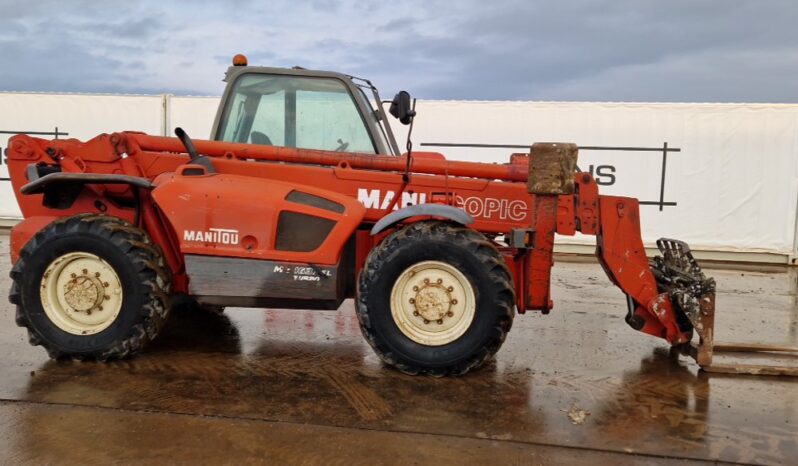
(342, 146)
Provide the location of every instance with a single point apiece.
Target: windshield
(295, 111)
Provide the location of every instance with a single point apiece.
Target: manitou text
(212, 235)
(481, 207)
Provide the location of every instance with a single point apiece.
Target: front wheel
(435, 298)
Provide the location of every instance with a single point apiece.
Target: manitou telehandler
(302, 199)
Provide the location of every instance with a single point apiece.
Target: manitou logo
(213, 235)
(373, 199)
(481, 207)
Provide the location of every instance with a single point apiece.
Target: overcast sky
(629, 50)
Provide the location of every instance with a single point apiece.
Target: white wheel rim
(81, 294)
(433, 303)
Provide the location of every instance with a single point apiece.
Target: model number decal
(212, 235)
(481, 207)
(302, 273)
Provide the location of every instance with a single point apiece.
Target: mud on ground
(275, 386)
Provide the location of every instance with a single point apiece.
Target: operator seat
(260, 139)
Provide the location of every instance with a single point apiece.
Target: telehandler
(302, 199)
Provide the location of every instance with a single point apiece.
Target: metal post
(166, 115)
(662, 179)
(793, 259)
(290, 119)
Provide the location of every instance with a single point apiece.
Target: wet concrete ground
(277, 386)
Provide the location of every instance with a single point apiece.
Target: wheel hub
(84, 293)
(432, 303)
(81, 293)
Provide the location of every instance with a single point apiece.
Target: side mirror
(402, 108)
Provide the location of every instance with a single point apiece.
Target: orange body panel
(234, 216)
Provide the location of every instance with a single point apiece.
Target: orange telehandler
(302, 199)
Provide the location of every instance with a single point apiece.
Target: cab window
(294, 111)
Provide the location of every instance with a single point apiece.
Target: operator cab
(301, 108)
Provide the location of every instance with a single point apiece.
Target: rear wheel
(435, 298)
(91, 287)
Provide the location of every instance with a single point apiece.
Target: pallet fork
(691, 291)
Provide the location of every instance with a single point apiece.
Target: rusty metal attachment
(551, 168)
(693, 297)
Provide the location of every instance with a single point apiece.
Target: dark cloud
(680, 50)
(602, 50)
(75, 48)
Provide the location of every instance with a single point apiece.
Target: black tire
(139, 265)
(473, 255)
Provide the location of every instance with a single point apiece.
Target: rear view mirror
(402, 108)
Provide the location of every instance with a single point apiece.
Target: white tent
(730, 190)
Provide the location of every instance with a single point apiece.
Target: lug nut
(85, 271)
(426, 321)
(100, 308)
(97, 274)
(426, 281)
(106, 297)
(415, 313)
(73, 275)
(454, 301)
(450, 289)
(88, 312)
(440, 280)
(450, 314)
(105, 284)
(415, 288)
(412, 301)
(440, 321)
